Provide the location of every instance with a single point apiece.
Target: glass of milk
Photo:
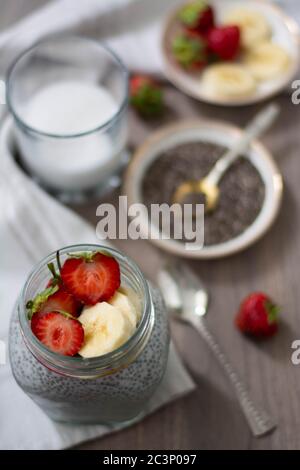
(68, 96)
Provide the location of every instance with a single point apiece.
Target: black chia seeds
(242, 190)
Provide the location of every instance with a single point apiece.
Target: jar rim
(74, 37)
(101, 365)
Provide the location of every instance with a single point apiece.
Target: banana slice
(105, 329)
(254, 26)
(267, 61)
(123, 303)
(134, 298)
(228, 80)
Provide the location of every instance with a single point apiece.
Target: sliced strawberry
(60, 334)
(91, 277)
(35, 318)
(61, 300)
(53, 298)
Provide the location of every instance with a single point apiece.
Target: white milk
(65, 109)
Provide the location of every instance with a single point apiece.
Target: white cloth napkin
(32, 224)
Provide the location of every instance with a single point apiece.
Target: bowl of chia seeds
(250, 191)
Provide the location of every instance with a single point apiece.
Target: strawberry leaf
(188, 50)
(189, 14)
(56, 279)
(148, 100)
(272, 311)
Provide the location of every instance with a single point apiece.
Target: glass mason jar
(108, 389)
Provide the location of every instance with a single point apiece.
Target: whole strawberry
(190, 51)
(224, 42)
(197, 16)
(146, 96)
(258, 315)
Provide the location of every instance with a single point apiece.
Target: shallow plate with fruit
(230, 52)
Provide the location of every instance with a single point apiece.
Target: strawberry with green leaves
(54, 298)
(190, 51)
(197, 16)
(146, 96)
(258, 315)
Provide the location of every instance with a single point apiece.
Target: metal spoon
(187, 300)
(209, 184)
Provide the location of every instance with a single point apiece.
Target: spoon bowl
(190, 301)
(210, 191)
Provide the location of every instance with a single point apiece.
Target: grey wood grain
(209, 418)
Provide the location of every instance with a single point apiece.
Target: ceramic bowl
(224, 135)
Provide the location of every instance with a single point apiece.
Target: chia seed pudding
(242, 189)
(109, 389)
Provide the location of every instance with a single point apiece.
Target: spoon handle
(260, 423)
(259, 124)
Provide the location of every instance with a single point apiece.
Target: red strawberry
(146, 96)
(224, 41)
(61, 300)
(35, 318)
(91, 277)
(60, 334)
(53, 298)
(190, 51)
(258, 315)
(197, 16)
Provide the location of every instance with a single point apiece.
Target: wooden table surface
(210, 418)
